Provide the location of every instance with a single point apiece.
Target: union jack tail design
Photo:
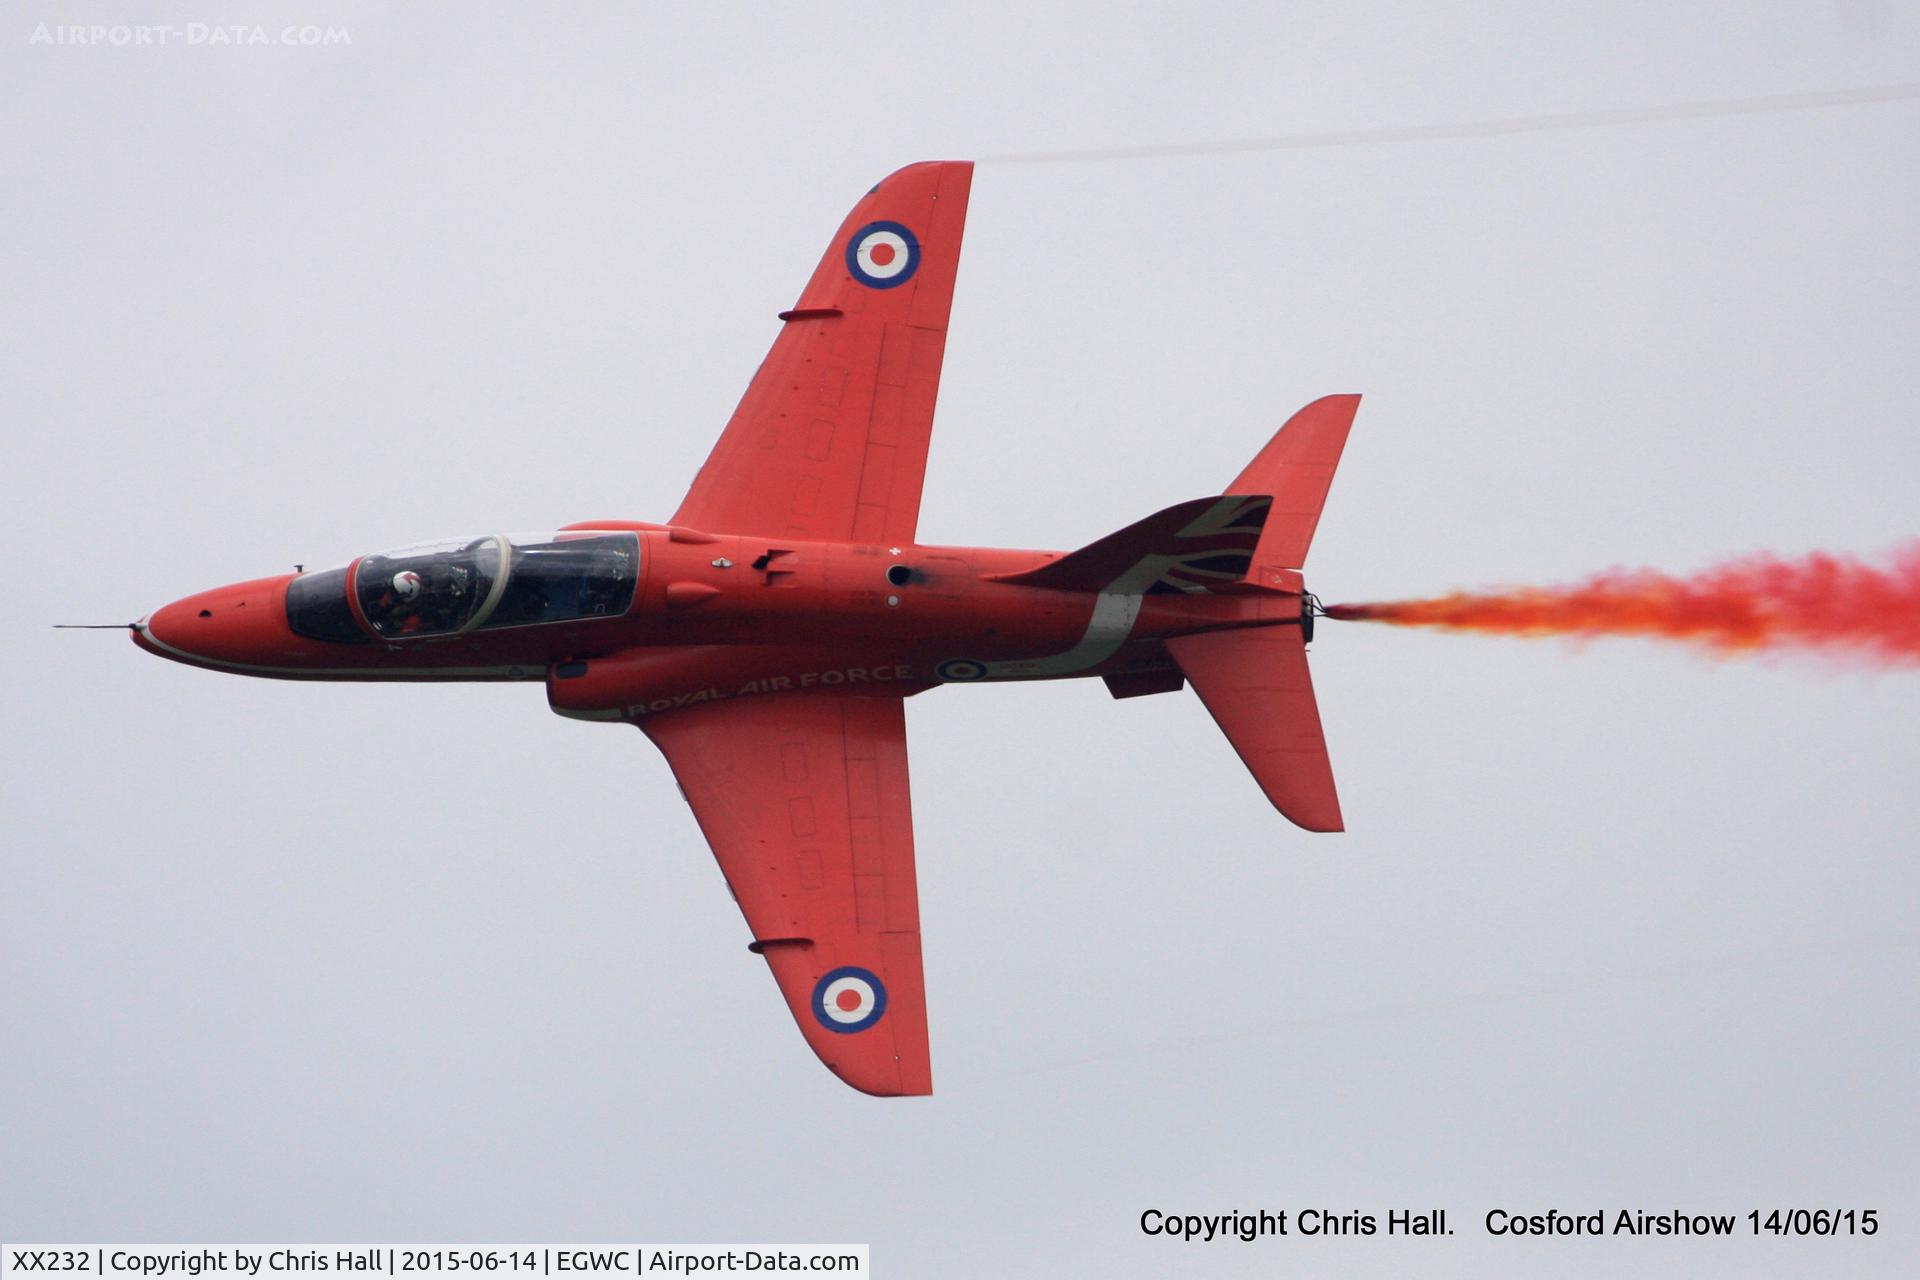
(1197, 546)
(1217, 548)
(1268, 515)
(1253, 679)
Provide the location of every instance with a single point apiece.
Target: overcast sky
(1613, 927)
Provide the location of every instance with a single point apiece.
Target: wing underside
(805, 801)
(830, 440)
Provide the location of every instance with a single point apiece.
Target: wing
(804, 799)
(830, 440)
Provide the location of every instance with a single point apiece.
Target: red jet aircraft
(767, 636)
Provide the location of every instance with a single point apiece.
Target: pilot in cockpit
(402, 606)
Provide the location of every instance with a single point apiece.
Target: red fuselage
(718, 617)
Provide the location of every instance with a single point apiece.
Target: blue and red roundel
(883, 254)
(849, 999)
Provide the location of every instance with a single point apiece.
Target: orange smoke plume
(1833, 604)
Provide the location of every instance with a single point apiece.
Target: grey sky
(1621, 927)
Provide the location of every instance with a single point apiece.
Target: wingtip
(921, 166)
(1308, 803)
(887, 1091)
(893, 1079)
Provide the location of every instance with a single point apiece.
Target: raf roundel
(961, 669)
(849, 999)
(882, 255)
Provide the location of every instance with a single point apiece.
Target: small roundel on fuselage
(849, 999)
(882, 255)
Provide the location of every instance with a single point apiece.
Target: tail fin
(1296, 469)
(1256, 685)
(1262, 525)
(1207, 544)
(1255, 681)
(1253, 540)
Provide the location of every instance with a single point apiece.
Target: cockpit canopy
(475, 584)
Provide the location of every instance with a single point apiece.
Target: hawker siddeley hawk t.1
(768, 634)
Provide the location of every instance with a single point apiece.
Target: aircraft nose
(242, 625)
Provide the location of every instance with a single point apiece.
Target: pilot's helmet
(407, 584)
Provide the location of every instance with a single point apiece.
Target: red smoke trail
(1833, 604)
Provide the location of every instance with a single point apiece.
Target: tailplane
(1254, 681)
(1255, 684)
(1295, 470)
(1255, 536)
(1253, 540)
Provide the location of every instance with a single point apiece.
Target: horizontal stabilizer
(1255, 683)
(1296, 469)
